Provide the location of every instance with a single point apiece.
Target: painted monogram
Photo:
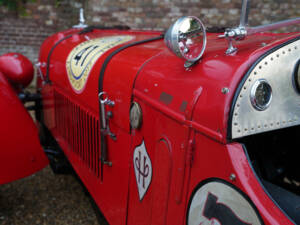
(143, 169)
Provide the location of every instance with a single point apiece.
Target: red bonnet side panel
(72, 113)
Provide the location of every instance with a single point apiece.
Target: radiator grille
(80, 129)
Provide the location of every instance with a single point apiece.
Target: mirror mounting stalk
(240, 32)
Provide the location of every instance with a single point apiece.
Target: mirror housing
(186, 38)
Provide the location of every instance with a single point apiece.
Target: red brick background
(25, 34)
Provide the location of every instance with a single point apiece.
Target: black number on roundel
(84, 52)
(220, 212)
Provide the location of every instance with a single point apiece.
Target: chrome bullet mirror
(186, 38)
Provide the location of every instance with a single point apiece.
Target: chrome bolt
(232, 177)
(225, 90)
(263, 44)
(185, 50)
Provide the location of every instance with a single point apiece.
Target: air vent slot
(80, 129)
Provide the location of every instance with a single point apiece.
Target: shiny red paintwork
(185, 138)
(17, 69)
(21, 153)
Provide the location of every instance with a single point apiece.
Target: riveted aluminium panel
(278, 70)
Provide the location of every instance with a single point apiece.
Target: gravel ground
(45, 198)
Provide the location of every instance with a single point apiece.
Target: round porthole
(261, 95)
(297, 76)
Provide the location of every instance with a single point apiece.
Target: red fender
(21, 153)
(17, 69)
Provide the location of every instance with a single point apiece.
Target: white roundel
(217, 203)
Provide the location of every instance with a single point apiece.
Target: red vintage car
(188, 127)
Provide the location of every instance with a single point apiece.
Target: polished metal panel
(283, 111)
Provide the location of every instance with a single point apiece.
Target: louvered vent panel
(80, 129)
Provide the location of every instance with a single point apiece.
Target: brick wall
(25, 34)
(159, 14)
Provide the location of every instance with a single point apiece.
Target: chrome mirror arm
(240, 32)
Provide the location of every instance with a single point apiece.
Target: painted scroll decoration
(142, 169)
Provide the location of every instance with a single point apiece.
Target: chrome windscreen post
(273, 26)
(245, 13)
